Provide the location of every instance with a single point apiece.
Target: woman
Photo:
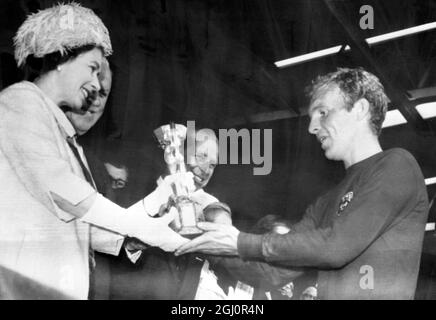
(49, 202)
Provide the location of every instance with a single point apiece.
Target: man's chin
(200, 185)
(332, 156)
(328, 154)
(81, 130)
(78, 110)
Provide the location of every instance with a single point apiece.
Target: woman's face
(78, 79)
(83, 122)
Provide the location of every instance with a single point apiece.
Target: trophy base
(190, 232)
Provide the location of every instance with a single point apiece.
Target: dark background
(212, 61)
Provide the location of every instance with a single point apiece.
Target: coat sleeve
(30, 144)
(379, 200)
(256, 273)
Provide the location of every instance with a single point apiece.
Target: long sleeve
(36, 151)
(256, 273)
(106, 241)
(380, 200)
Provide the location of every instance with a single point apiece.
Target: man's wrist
(249, 246)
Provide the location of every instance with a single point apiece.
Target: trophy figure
(171, 138)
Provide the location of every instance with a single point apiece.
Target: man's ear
(361, 108)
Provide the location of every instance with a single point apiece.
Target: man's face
(118, 176)
(78, 78)
(333, 125)
(203, 166)
(83, 122)
(310, 293)
(288, 290)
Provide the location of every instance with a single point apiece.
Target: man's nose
(313, 126)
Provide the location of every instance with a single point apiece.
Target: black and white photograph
(218, 150)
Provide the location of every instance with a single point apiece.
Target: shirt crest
(345, 201)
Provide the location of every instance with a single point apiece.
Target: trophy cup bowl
(171, 138)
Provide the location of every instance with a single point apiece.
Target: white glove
(161, 195)
(135, 223)
(154, 231)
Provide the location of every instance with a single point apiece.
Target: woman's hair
(35, 67)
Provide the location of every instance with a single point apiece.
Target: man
(119, 175)
(310, 293)
(153, 274)
(365, 235)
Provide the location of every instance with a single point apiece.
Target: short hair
(356, 84)
(202, 135)
(116, 153)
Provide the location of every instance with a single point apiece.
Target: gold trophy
(171, 138)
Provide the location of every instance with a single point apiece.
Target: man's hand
(219, 239)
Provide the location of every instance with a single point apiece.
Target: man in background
(143, 273)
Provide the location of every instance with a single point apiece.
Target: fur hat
(60, 28)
